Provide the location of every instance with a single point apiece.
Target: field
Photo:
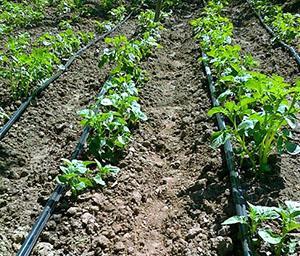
(149, 128)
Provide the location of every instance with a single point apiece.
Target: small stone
(146, 144)
(227, 192)
(159, 164)
(136, 197)
(51, 225)
(193, 232)
(98, 198)
(18, 237)
(119, 246)
(56, 217)
(87, 218)
(175, 164)
(44, 249)
(60, 127)
(72, 211)
(102, 241)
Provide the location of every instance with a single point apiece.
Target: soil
(173, 191)
(273, 59)
(50, 24)
(30, 154)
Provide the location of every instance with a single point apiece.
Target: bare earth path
(172, 193)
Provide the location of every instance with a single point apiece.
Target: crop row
(285, 25)
(260, 113)
(16, 15)
(117, 110)
(26, 63)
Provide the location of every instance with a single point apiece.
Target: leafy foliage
(285, 25)
(18, 15)
(79, 176)
(278, 227)
(260, 110)
(110, 133)
(259, 124)
(25, 68)
(116, 15)
(119, 108)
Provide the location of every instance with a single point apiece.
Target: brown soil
(30, 154)
(172, 193)
(273, 59)
(50, 24)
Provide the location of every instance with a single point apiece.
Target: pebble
(87, 218)
(18, 237)
(72, 210)
(175, 164)
(44, 249)
(119, 246)
(136, 197)
(102, 241)
(193, 232)
(98, 198)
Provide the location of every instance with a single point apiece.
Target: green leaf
(219, 138)
(224, 95)
(106, 102)
(216, 110)
(292, 225)
(292, 122)
(98, 180)
(247, 124)
(234, 220)
(269, 237)
(113, 169)
(292, 148)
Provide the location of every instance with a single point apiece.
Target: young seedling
(79, 176)
(278, 227)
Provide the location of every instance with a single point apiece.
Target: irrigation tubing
(18, 113)
(55, 197)
(238, 197)
(291, 49)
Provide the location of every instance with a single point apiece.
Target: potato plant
(115, 16)
(110, 133)
(24, 68)
(17, 15)
(285, 25)
(119, 109)
(79, 175)
(260, 110)
(260, 124)
(277, 227)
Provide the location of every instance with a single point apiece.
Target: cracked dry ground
(172, 192)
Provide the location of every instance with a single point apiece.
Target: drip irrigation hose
(55, 197)
(238, 197)
(291, 49)
(18, 113)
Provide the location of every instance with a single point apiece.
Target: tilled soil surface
(50, 24)
(253, 38)
(172, 192)
(49, 130)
